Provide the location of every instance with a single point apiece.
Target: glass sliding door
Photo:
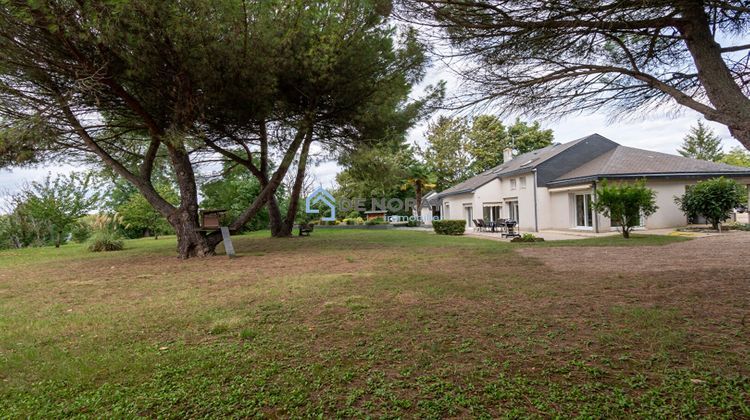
(513, 211)
(491, 212)
(469, 215)
(584, 212)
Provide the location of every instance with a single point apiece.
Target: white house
(553, 187)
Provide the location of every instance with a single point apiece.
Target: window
(491, 212)
(584, 212)
(523, 182)
(513, 184)
(469, 216)
(513, 211)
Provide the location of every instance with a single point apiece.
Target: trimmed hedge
(449, 227)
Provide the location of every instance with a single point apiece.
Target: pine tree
(702, 143)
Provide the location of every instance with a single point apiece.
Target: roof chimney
(507, 154)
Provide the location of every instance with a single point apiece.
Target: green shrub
(81, 232)
(413, 223)
(376, 221)
(106, 240)
(625, 203)
(713, 199)
(449, 227)
(353, 215)
(527, 237)
(739, 226)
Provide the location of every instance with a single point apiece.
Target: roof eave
(592, 178)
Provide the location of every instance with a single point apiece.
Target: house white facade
(552, 188)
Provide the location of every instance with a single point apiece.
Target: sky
(661, 133)
(658, 132)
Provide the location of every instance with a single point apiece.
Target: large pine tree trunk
(191, 242)
(721, 87)
(287, 224)
(276, 220)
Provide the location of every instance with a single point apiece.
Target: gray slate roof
(519, 164)
(620, 161)
(629, 161)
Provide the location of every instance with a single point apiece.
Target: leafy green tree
(233, 192)
(524, 137)
(446, 152)
(22, 229)
(701, 143)
(61, 201)
(714, 199)
(139, 216)
(381, 171)
(625, 203)
(736, 157)
(488, 138)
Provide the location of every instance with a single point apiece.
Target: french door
(513, 211)
(584, 212)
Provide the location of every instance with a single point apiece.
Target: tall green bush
(449, 227)
(625, 203)
(713, 199)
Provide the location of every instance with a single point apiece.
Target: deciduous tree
(625, 204)
(60, 201)
(736, 157)
(446, 151)
(713, 199)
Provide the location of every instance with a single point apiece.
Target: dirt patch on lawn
(729, 252)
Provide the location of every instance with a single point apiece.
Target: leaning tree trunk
(288, 224)
(717, 79)
(275, 219)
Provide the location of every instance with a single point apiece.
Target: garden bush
(106, 240)
(527, 237)
(376, 221)
(449, 227)
(81, 232)
(714, 199)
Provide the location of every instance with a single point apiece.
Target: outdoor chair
(478, 225)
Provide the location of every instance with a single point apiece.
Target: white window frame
(523, 182)
(514, 207)
(469, 215)
(513, 184)
(491, 206)
(587, 211)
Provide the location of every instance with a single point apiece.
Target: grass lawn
(352, 323)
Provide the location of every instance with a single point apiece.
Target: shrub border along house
(449, 227)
